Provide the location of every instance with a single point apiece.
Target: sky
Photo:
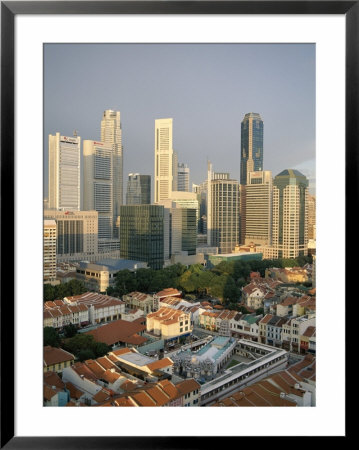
(206, 88)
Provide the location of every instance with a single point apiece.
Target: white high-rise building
(64, 172)
(99, 185)
(111, 133)
(259, 191)
(163, 159)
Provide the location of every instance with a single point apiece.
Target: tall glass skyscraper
(251, 145)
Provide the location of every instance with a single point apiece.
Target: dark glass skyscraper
(251, 145)
(142, 234)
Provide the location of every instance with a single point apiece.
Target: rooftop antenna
(75, 133)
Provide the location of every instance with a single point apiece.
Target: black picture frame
(9, 9)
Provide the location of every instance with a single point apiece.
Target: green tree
(51, 337)
(86, 354)
(259, 311)
(70, 331)
(100, 349)
(49, 292)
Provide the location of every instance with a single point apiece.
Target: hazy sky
(205, 88)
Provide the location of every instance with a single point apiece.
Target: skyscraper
(251, 145)
(290, 214)
(142, 234)
(251, 158)
(311, 217)
(111, 133)
(259, 208)
(138, 189)
(64, 172)
(223, 220)
(183, 177)
(99, 192)
(163, 159)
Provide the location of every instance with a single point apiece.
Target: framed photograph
(213, 61)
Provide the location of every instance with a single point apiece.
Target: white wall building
(49, 251)
(163, 159)
(64, 172)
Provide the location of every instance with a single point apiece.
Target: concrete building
(259, 208)
(163, 159)
(183, 178)
(138, 189)
(111, 133)
(76, 232)
(56, 359)
(99, 187)
(142, 234)
(169, 324)
(144, 302)
(98, 277)
(64, 172)
(290, 214)
(224, 220)
(311, 217)
(49, 251)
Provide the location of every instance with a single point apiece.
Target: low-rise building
(145, 302)
(245, 326)
(120, 333)
(169, 323)
(54, 393)
(57, 359)
(57, 314)
(102, 308)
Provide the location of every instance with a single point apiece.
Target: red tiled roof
(53, 355)
(118, 331)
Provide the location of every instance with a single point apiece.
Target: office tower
(259, 208)
(49, 251)
(64, 172)
(142, 234)
(175, 171)
(138, 189)
(182, 225)
(163, 159)
(311, 217)
(99, 194)
(251, 145)
(290, 214)
(251, 158)
(201, 192)
(223, 220)
(111, 133)
(76, 232)
(183, 177)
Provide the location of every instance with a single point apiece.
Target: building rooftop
(53, 355)
(119, 331)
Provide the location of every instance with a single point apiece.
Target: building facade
(76, 232)
(99, 190)
(290, 214)
(163, 159)
(251, 145)
(64, 172)
(111, 133)
(138, 189)
(224, 214)
(142, 234)
(183, 178)
(49, 251)
(259, 208)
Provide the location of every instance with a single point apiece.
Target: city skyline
(218, 96)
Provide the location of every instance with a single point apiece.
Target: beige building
(64, 172)
(169, 323)
(58, 314)
(102, 308)
(225, 219)
(311, 217)
(76, 232)
(259, 208)
(144, 302)
(56, 359)
(49, 251)
(163, 159)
